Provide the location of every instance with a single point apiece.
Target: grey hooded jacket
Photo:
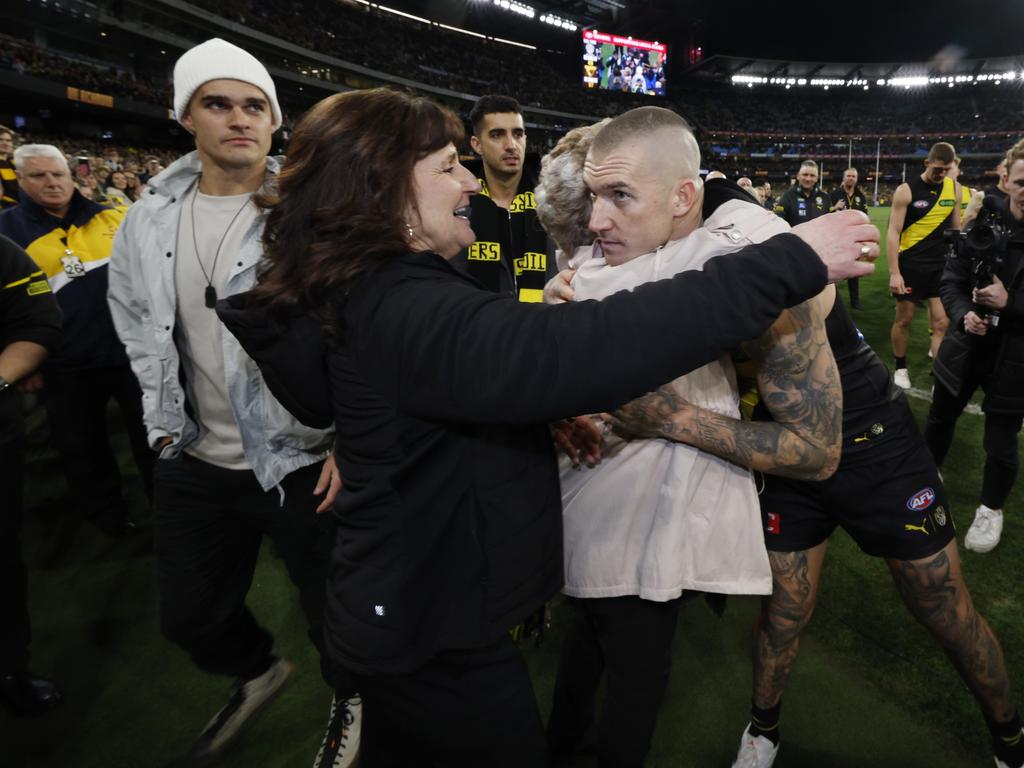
(143, 304)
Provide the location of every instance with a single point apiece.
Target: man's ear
(186, 122)
(684, 197)
(474, 142)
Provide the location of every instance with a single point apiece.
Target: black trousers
(76, 408)
(14, 622)
(630, 641)
(208, 525)
(853, 285)
(462, 709)
(1002, 460)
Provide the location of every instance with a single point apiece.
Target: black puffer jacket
(998, 357)
(450, 527)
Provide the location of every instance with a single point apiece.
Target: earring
(408, 231)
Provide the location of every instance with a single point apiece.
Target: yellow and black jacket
(512, 253)
(797, 206)
(855, 202)
(9, 184)
(73, 253)
(27, 313)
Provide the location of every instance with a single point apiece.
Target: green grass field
(870, 687)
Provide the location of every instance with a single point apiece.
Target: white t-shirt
(656, 517)
(199, 331)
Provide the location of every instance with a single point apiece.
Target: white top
(199, 332)
(656, 517)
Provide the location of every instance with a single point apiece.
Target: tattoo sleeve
(936, 594)
(799, 384)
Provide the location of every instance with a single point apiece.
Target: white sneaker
(1001, 764)
(340, 746)
(985, 531)
(246, 700)
(755, 751)
(901, 378)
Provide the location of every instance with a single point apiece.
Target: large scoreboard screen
(617, 63)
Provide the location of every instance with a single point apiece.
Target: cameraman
(983, 295)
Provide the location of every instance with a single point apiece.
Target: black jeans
(208, 524)
(14, 622)
(76, 408)
(462, 709)
(853, 285)
(630, 641)
(1002, 460)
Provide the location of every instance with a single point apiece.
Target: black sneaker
(247, 699)
(340, 746)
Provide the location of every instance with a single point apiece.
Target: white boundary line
(923, 394)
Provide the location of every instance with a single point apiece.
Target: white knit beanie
(218, 59)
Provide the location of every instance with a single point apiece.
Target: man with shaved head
(886, 493)
(656, 518)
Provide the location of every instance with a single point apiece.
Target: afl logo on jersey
(921, 500)
(922, 203)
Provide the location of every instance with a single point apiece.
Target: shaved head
(670, 149)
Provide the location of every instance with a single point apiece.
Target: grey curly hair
(563, 202)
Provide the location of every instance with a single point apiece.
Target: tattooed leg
(795, 578)
(934, 590)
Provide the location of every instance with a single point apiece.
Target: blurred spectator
(8, 178)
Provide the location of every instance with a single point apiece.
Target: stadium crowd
(78, 72)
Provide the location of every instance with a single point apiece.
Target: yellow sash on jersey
(965, 197)
(932, 220)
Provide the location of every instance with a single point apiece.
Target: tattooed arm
(799, 383)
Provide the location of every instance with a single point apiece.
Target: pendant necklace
(210, 293)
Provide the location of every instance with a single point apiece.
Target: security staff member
(512, 253)
(848, 196)
(804, 200)
(921, 209)
(29, 330)
(70, 239)
(979, 351)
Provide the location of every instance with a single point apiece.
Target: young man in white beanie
(234, 464)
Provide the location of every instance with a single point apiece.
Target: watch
(4, 383)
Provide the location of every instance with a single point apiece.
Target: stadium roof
(869, 30)
(745, 69)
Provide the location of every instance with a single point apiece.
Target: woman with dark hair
(118, 192)
(440, 392)
(132, 185)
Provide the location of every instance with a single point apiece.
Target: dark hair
(488, 105)
(338, 207)
(5, 129)
(942, 152)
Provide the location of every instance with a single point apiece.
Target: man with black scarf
(512, 253)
